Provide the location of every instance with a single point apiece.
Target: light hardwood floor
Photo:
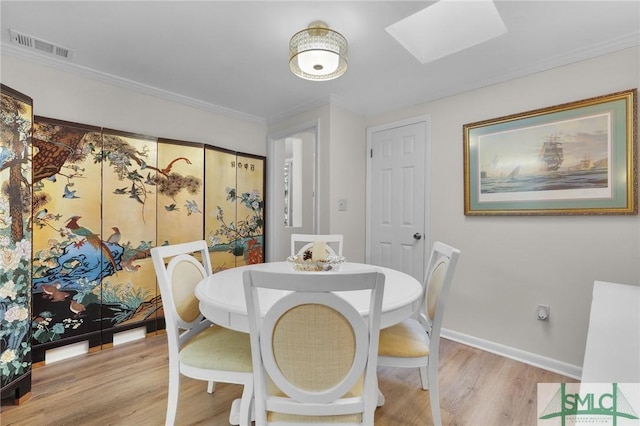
(127, 385)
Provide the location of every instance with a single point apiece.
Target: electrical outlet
(543, 312)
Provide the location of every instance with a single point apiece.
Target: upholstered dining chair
(197, 348)
(415, 342)
(314, 354)
(302, 242)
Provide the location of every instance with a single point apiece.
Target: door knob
(417, 235)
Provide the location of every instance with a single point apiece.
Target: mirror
(293, 182)
(288, 212)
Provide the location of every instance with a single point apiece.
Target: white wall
(348, 180)
(510, 264)
(62, 95)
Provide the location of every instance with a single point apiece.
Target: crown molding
(127, 84)
(332, 99)
(299, 109)
(610, 46)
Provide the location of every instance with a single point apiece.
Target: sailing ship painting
(573, 158)
(551, 153)
(586, 163)
(553, 169)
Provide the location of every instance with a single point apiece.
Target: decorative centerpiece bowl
(331, 263)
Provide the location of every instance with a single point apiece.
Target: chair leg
(172, 397)
(247, 414)
(424, 378)
(211, 386)
(368, 416)
(244, 414)
(434, 398)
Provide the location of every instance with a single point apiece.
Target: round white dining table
(222, 298)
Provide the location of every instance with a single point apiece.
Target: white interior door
(397, 189)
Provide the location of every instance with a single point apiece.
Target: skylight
(447, 27)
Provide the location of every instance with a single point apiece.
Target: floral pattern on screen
(15, 236)
(234, 223)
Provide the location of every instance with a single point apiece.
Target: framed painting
(578, 158)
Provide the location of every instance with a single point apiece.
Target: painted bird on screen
(115, 237)
(90, 237)
(68, 193)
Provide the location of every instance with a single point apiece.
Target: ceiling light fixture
(318, 53)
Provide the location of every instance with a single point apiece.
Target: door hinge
(371, 154)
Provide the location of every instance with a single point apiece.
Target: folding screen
(15, 243)
(234, 224)
(180, 183)
(106, 200)
(68, 258)
(129, 297)
(250, 172)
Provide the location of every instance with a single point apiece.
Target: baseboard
(549, 364)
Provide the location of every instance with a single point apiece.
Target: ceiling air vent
(40, 46)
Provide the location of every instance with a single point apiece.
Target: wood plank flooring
(127, 385)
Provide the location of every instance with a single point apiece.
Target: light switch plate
(342, 205)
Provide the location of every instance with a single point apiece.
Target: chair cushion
(406, 340)
(218, 348)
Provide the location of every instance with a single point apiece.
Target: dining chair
(302, 242)
(314, 354)
(415, 342)
(197, 348)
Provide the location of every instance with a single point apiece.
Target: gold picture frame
(578, 158)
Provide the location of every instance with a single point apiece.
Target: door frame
(427, 191)
(273, 176)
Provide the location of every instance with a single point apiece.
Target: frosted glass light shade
(318, 53)
(318, 62)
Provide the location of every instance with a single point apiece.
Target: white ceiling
(232, 56)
